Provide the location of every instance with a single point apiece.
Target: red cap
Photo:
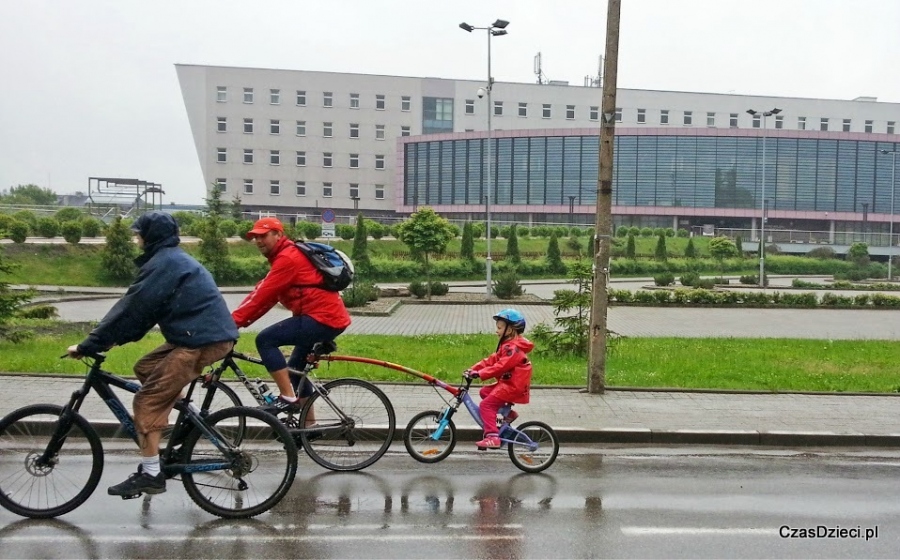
(265, 225)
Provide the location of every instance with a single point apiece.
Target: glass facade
(801, 174)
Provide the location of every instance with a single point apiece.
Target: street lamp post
(891, 227)
(762, 204)
(571, 209)
(495, 29)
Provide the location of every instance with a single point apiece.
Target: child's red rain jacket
(512, 368)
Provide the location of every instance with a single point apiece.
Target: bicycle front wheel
(537, 454)
(32, 487)
(354, 425)
(420, 441)
(260, 473)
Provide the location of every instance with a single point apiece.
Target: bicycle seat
(322, 348)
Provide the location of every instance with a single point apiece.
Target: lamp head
(500, 24)
(498, 32)
(775, 111)
(752, 112)
(466, 27)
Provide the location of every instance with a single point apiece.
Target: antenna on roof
(541, 77)
(595, 81)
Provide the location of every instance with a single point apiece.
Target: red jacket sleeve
(264, 297)
(498, 363)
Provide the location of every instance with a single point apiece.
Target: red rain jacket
(510, 364)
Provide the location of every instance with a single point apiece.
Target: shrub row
(684, 296)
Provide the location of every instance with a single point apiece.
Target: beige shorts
(163, 373)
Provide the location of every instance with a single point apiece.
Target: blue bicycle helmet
(513, 318)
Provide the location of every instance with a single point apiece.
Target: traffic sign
(328, 230)
(328, 216)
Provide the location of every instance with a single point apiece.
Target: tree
(48, 227)
(467, 245)
(71, 231)
(360, 251)
(118, 254)
(213, 246)
(512, 246)
(69, 214)
(660, 253)
(425, 232)
(859, 254)
(29, 194)
(554, 258)
(690, 252)
(721, 248)
(10, 302)
(235, 208)
(630, 250)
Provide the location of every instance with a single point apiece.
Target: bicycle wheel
(218, 396)
(419, 441)
(539, 456)
(355, 422)
(30, 489)
(261, 473)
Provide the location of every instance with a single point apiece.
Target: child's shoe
(490, 442)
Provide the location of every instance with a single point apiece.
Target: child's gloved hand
(469, 374)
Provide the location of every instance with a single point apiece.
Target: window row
(275, 158)
(354, 101)
(300, 189)
(758, 121)
(546, 110)
(300, 128)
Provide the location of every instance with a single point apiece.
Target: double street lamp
(495, 29)
(762, 204)
(893, 155)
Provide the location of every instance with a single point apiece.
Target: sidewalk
(618, 416)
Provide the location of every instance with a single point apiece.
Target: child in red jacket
(510, 365)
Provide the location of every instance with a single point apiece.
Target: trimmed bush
(439, 289)
(18, 231)
(71, 231)
(418, 289)
(664, 279)
(47, 227)
(91, 227)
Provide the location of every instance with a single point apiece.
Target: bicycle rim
(358, 438)
(540, 457)
(257, 480)
(419, 441)
(42, 491)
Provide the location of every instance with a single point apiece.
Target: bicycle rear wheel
(355, 425)
(540, 453)
(61, 484)
(259, 476)
(419, 440)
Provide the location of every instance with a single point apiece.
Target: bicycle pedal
(132, 496)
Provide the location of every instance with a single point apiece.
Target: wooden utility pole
(603, 226)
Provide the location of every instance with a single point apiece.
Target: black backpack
(335, 266)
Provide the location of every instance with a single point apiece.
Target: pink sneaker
(490, 442)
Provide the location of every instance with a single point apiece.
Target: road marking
(651, 531)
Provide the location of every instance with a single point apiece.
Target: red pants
(489, 407)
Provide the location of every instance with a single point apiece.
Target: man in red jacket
(318, 315)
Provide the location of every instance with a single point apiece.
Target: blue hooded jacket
(172, 290)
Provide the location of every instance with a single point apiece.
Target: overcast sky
(89, 86)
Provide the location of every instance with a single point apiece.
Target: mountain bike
(431, 435)
(355, 420)
(237, 462)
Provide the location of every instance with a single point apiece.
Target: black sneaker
(280, 405)
(139, 483)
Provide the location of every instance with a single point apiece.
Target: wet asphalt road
(594, 502)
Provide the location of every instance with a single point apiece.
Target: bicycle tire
(419, 443)
(53, 490)
(268, 455)
(342, 447)
(539, 459)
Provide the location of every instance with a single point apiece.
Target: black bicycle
(355, 420)
(237, 462)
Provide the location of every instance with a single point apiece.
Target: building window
(220, 184)
(301, 188)
(301, 128)
(354, 161)
(248, 126)
(757, 120)
(801, 123)
(327, 130)
(354, 190)
(248, 155)
(221, 155)
(327, 99)
(327, 190)
(523, 109)
(868, 127)
(301, 98)
(221, 124)
(406, 103)
(641, 116)
(498, 108)
(379, 162)
(275, 187)
(248, 95)
(733, 120)
(823, 124)
(688, 118)
(274, 157)
(470, 106)
(379, 132)
(248, 186)
(545, 111)
(354, 101)
(618, 114)
(664, 116)
(570, 112)
(846, 125)
(890, 127)
(221, 94)
(379, 192)
(437, 115)
(327, 159)
(274, 126)
(779, 121)
(379, 102)
(274, 97)
(710, 119)
(301, 159)
(354, 130)
(404, 131)
(594, 113)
